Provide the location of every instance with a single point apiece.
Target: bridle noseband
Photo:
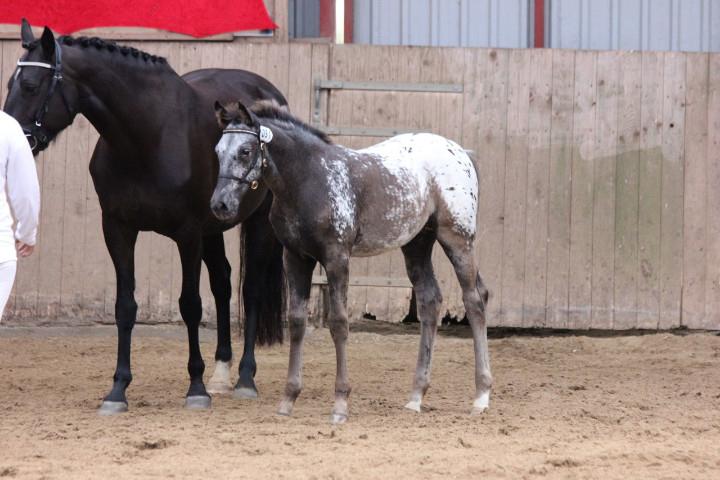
(35, 133)
(265, 136)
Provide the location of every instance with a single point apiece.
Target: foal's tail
(271, 291)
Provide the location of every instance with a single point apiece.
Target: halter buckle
(254, 185)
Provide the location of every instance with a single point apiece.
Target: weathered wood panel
(599, 173)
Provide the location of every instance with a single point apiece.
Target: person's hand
(23, 249)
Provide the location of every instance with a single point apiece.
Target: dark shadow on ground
(462, 330)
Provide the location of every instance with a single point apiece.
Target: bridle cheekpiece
(35, 133)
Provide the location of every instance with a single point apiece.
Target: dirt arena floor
(563, 407)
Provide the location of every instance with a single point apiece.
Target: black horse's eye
(30, 88)
(245, 152)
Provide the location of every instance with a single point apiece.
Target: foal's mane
(102, 44)
(271, 110)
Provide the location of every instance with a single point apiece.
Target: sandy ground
(563, 407)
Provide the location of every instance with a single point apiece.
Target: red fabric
(198, 18)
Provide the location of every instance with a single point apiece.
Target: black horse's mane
(101, 44)
(272, 110)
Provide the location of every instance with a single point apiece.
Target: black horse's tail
(271, 287)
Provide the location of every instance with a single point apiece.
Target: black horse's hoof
(245, 393)
(109, 408)
(197, 402)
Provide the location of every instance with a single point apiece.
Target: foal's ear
(47, 42)
(221, 114)
(26, 34)
(244, 115)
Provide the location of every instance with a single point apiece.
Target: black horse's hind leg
(213, 254)
(120, 240)
(262, 258)
(191, 311)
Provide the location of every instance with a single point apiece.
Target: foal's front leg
(337, 274)
(299, 271)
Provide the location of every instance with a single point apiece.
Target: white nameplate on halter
(266, 134)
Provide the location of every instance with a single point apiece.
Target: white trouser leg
(7, 278)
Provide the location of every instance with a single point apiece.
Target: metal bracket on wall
(328, 85)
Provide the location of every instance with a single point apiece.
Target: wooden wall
(599, 176)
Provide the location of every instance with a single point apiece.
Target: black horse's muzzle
(37, 138)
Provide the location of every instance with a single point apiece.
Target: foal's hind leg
(299, 271)
(429, 299)
(459, 249)
(337, 269)
(213, 254)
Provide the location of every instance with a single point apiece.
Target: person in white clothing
(21, 199)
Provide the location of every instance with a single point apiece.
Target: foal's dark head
(38, 98)
(242, 150)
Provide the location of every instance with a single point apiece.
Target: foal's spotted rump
(413, 172)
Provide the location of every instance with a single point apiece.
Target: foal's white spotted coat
(412, 165)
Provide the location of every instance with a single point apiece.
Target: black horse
(154, 169)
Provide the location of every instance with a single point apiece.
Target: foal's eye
(245, 152)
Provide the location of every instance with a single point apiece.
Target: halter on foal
(331, 203)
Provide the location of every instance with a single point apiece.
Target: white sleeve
(23, 191)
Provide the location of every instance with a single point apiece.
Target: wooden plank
(484, 131)
(650, 189)
(559, 188)
(712, 279)
(73, 232)
(671, 224)
(627, 191)
(50, 252)
(300, 88)
(695, 192)
(513, 248)
(603, 233)
(536, 196)
(581, 224)
(98, 265)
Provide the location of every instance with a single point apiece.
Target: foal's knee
(338, 325)
(296, 326)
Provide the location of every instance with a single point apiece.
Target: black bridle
(253, 183)
(37, 136)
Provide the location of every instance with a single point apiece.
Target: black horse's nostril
(222, 206)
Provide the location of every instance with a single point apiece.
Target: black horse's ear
(26, 33)
(47, 42)
(244, 115)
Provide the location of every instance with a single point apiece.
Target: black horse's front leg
(191, 311)
(120, 240)
(219, 272)
(262, 289)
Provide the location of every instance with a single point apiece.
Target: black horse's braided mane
(100, 44)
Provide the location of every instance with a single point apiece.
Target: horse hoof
(109, 408)
(285, 409)
(245, 393)
(338, 418)
(478, 411)
(197, 402)
(413, 405)
(219, 388)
